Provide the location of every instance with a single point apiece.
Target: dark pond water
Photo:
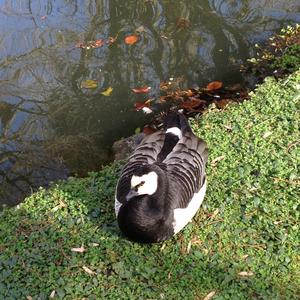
(51, 127)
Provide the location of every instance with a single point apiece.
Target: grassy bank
(243, 243)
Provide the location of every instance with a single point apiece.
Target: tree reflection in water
(49, 126)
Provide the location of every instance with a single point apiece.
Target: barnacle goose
(163, 184)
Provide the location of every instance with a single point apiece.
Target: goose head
(143, 182)
(142, 216)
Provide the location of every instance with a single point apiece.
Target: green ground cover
(243, 243)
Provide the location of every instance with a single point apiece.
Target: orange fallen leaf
(215, 85)
(142, 90)
(98, 43)
(131, 39)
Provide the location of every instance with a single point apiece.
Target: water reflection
(50, 126)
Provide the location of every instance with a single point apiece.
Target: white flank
(183, 215)
(117, 206)
(175, 130)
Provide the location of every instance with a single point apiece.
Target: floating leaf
(142, 90)
(215, 85)
(107, 92)
(98, 43)
(88, 270)
(89, 84)
(90, 44)
(111, 40)
(140, 29)
(182, 23)
(131, 39)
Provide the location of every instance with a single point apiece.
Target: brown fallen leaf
(217, 159)
(192, 103)
(131, 39)
(246, 274)
(142, 90)
(80, 249)
(209, 295)
(148, 130)
(222, 103)
(89, 271)
(214, 85)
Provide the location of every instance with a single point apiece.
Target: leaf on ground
(140, 105)
(209, 295)
(215, 85)
(142, 90)
(52, 294)
(147, 110)
(88, 270)
(222, 103)
(217, 159)
(246, 274)
(267, 134)
(192, 103)
(131, 39)
(107, 92)
(80, 249)
(148, 130)
(89, 84)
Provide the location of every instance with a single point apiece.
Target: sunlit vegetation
(64, 243)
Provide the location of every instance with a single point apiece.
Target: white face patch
(175, 130)
(146, 184)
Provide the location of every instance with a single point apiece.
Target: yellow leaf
(107, 92)
(89, 84)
